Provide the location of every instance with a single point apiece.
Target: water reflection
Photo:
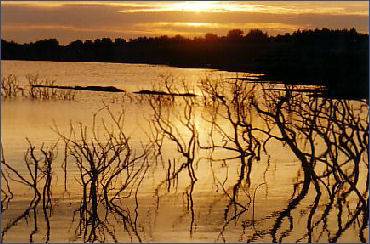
(233, 132)
(330, 139)
(181, 131)
(230, 131)
(38, 178)
(110, 171)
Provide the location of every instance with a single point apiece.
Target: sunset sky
(67, 21)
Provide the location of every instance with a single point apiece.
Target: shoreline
(331, 91)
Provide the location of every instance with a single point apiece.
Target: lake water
(238, 162)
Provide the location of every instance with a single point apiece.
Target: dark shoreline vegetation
(337, 59)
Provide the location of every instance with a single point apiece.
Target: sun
(197, 6)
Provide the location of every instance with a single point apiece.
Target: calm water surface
(245, 165)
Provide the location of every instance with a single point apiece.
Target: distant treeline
(335, 58)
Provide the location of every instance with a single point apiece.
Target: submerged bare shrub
(43, 89)
(111, 170)
(326, 139)
(180, 131)
(6, 192)
(10, 86)
(333, 169)
(233, 133)
(329, 138)
(36, 88)
(38, 178)
(167, 89)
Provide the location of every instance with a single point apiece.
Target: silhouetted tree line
(335, 58)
